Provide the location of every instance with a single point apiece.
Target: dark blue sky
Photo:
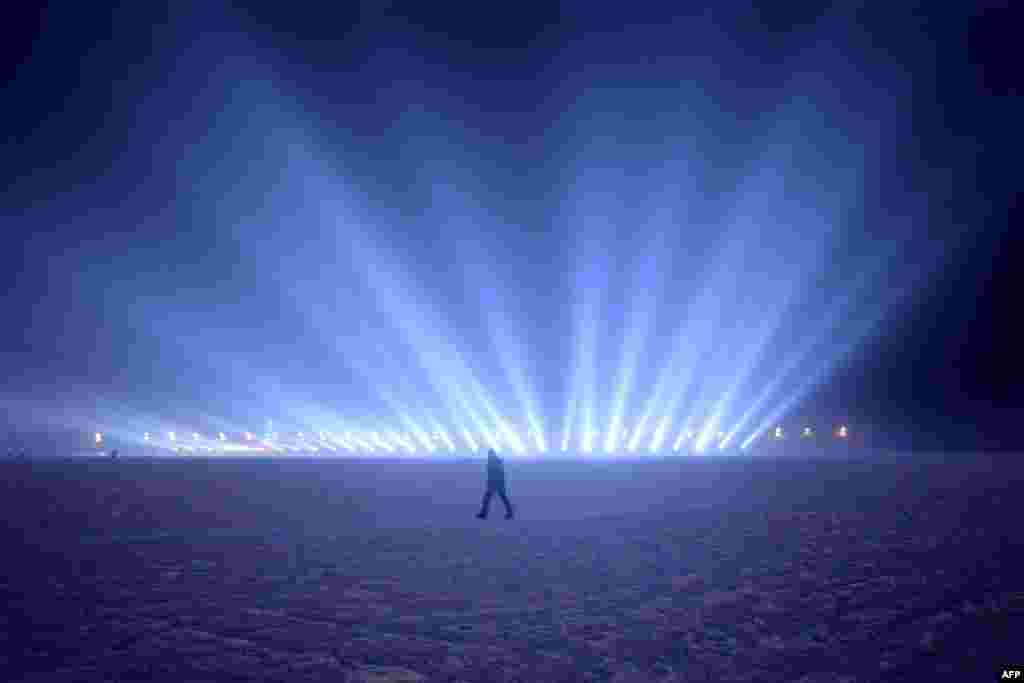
(162, 166)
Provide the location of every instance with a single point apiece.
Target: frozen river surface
(756, 569)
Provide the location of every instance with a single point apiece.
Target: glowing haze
(647, 261)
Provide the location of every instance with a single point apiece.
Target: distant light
(99, 438)
(448, 441)
(778, 433)
(468, 436)
(807, 433)
(222, 437)
(842, 432)
(171, 436)
(538, 438)
(195, 436)
(588, 440)
(402, 441)
(145, 437)
(301, 435)
(659, 436)
(744, 445)
(611, 441)
(248, 436)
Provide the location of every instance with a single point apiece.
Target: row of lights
(841, 432)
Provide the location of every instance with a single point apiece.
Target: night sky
(180, 185)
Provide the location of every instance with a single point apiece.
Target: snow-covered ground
(698, 569)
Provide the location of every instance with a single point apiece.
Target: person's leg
(504, 499)
(486, 504)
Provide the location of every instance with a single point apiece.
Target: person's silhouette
(495, 484)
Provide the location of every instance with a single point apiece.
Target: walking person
(495, 484)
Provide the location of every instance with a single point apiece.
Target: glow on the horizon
(467, 436)
(366, 445)
(611, 441)
(568, 422)
(377, 440)
(588, 440)
(99, 438)
(685, 434)
(443, 435)
(510, 436)
(677, 446)
(424, 440)
(404, 442)
(660, 433)
(517, 443)
(338, 438)
(491, 440)
(638, 433)
(538, 439)
(707, 433)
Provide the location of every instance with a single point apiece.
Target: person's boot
(508, 514)
(481, 515)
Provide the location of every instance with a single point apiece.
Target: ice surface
(885, 568)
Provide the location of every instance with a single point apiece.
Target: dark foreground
(890, 568)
